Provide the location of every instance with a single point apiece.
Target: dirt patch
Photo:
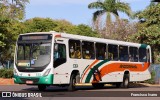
(6, 81)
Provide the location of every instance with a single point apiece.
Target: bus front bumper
(48, 80)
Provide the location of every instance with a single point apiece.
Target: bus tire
(42, 87)
(72, 83)
(97, 85)
(126, 81)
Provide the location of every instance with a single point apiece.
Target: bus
(60, 59)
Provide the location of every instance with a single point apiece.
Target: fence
(7, 64)
(156, 69)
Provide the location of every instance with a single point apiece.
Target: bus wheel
(97, 85)
(41, 87)
(71, 86)
(126, 81)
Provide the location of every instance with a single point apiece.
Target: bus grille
(35, 80)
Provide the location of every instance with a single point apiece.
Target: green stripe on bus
(96, 66)
(41, 79)
(143, 46)
(84, 70)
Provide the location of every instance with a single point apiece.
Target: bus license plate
(29, 82)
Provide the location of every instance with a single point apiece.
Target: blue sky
(75, 11)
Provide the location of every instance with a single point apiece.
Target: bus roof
(91, 39)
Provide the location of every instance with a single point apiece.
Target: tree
(39, 25)
(14, 9)
(119, 30)
(63, 26)
(109, 7)
(81, 29)
(47, 24)
(155, 0)
(149, 29)
(11, 12)
(84, 30)
(9, 31)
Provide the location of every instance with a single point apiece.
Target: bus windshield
(33, 54)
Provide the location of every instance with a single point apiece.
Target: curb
(6, 81)
(146, 84)
(89, 84)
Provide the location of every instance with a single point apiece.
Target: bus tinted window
(88, 50)
(133, 54)
(112, 52)
(123, 53)
(100, 51)
(75, 49)
(59, 54)
(23, 52)
(142, 55)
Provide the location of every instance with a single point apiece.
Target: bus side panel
(113, 71)
(140, 76)
(61, 79)
(87, 69)
(113, 77)
(61, 74)
(136, 76)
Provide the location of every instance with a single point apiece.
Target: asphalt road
(139, 92)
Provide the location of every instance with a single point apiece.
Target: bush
(6, 73)
(151, 81)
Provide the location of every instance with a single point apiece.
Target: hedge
(6, 73)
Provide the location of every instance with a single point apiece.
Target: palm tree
(109, 7)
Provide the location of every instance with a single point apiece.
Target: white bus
(51, 58)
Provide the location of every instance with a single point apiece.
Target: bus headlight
(15, 72)
(47, 72)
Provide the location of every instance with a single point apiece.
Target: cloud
(60, 2)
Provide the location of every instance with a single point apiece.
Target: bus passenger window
(88, 50)
(123, 53)
(100, 51)
(75, 49)
(59, 54)
(72, 52)
(110, 56)
(133, 54)
(142, 55)
(112, 52)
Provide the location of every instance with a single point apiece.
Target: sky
(74, 11)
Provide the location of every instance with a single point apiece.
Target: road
(138, 92)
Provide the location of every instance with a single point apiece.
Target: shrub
(6, 73)
(151, 81)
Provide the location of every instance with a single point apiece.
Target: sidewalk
(147, 84)
(9, 81)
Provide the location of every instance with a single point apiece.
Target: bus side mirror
(55, 47)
